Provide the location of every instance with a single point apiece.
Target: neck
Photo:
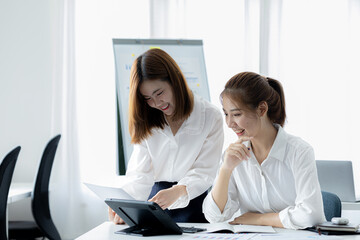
(169, 118)
(262, 143)
(174, 125)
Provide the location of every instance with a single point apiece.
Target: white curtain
(74, 210)
(311, 46)
(97, 23)
(84, 105)
(91, 88)
(167, 18)
(67, 204)
(317, 61)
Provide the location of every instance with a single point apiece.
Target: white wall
(26, 72)
(25, 78)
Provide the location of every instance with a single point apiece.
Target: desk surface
(350, 205)
(106, 231)
(19, 191)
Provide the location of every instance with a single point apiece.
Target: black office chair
(332, 205)
(7, 167)
(43, 225)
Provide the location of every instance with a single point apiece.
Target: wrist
(225, 175)
(180, 190)
(226, 169)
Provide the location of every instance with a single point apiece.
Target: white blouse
(285, 183)
(191, 157)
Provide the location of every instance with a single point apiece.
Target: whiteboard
(189, 56)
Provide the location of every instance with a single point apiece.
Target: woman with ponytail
(267, 174)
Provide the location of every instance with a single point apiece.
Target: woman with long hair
(177, 137)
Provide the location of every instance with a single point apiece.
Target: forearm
(263, 219)
(221, 187)
(270, 219)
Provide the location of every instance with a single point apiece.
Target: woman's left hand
(165, 198)
(248, 218)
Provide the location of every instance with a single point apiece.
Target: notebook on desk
(337, 177)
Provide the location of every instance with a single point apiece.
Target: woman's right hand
(114, 217)
(235, 153)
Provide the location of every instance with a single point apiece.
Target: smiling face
(240, 119)
(158, 94)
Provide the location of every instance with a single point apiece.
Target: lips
(240, 132)
(164, 108)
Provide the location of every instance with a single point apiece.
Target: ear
(262, 109)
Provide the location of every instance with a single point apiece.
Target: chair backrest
(40, 196)
(7, 167)
(332, 205)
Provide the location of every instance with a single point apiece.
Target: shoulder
(208, 108)
(298, 151)
(203, 117)
(296, 143)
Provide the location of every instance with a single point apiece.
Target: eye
(160, 93)
(237, 114)
(147, 98)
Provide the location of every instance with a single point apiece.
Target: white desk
(19, 191)
(350, 205)
(106, 231)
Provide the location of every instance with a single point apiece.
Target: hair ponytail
(276, 104)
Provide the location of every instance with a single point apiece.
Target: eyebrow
(233, 110)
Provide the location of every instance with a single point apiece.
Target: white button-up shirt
(285, 183)
(191, 157)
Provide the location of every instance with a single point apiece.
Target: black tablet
(144, 218)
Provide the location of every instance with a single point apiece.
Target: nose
(157, 101)
(229, 121)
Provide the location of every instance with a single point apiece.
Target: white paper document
(296, 235)
(224, 227)
(220, 236)
(104, 192)
(260, 236)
